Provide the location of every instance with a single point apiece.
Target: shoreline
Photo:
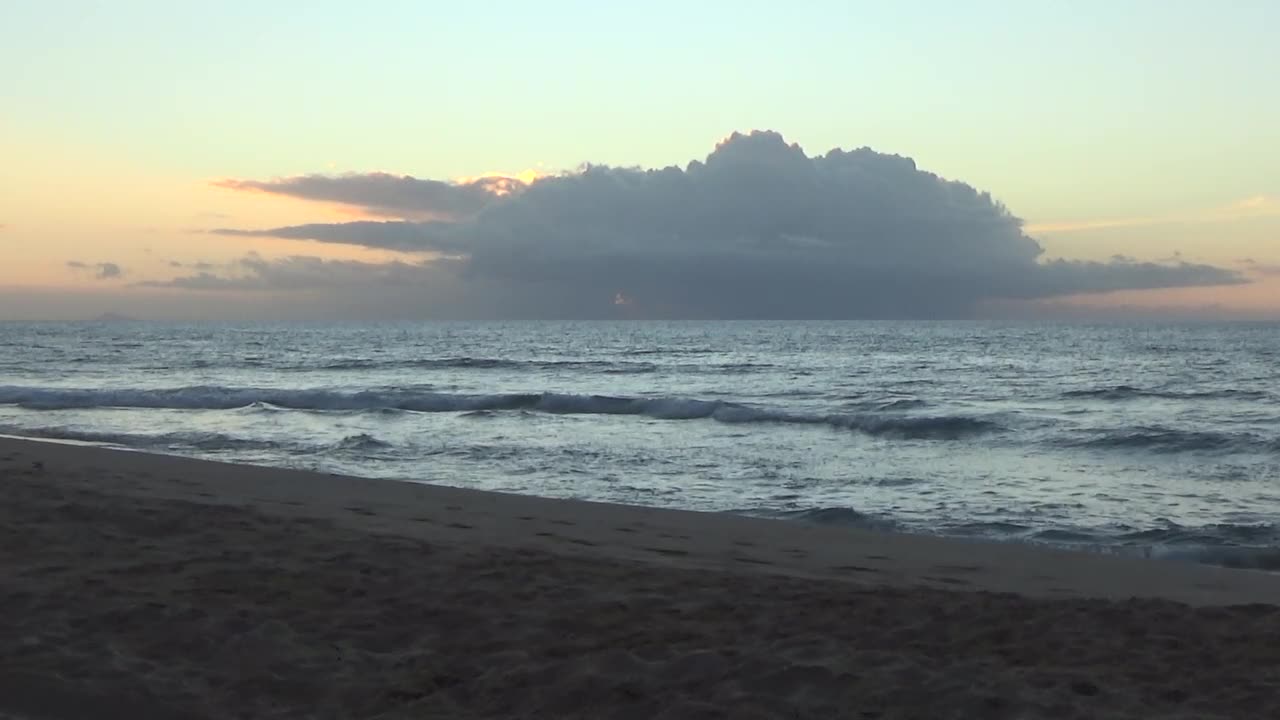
(729, 541)
(1236, 557)
(184, 588)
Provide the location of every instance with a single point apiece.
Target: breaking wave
(887, 424)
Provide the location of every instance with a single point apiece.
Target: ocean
(1152, 440)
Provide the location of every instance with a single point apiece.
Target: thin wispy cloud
(1260, 204)
(1251, 207)
(387, 195)
(197, 265)
(1068, 226)
(390, 235)
(757, 229)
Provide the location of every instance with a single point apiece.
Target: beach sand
(142, 586)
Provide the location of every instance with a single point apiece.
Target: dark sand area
(148, 586)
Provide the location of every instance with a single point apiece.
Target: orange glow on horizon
(1258, 296)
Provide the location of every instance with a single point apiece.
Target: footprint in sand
(666, 551)
(855, 568)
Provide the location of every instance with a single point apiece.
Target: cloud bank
(253, 272)
(757, 230)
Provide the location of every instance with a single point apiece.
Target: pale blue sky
(1026, 99)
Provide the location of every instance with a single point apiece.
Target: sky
(405, 159)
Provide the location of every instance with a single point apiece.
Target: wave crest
(890, 424)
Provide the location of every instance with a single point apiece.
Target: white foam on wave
(893, 424)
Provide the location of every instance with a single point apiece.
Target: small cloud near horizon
(101, 270)
(757, 229)
(1259, 268)
(197, 265)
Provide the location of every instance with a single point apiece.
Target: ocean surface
(1154, 440)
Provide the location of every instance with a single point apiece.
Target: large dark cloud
(101, 271)
(757, 230)
(389, 195)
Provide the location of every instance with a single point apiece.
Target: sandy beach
(138, 585)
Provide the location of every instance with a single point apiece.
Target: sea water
(1133, 438)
